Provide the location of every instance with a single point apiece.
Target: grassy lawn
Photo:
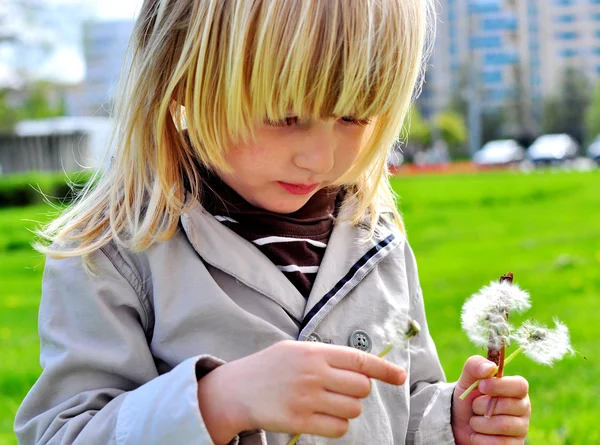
(466, 231)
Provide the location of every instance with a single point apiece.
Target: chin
(287, 206)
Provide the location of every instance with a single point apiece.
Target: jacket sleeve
(430, 395)
(99, 383)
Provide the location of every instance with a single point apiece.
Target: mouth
(298, 189)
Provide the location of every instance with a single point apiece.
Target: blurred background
(497, 172)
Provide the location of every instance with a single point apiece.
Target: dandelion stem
(387, 349)
(497, 355)
(509, 359)
(294, 440)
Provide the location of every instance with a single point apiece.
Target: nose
(317, 153)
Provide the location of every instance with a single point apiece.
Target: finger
(501, 425)
(339, 405)
(510, 406)
(349, 383)
(323, 425)
(476, 368)
(482, 439)
(513, 386)
(367, 364)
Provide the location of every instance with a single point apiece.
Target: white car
(593, 150)
(500, 152)
(553, 148)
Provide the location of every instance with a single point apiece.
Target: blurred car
(553, 149)
(593, 150)
(499, 152)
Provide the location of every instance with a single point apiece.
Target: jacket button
(314, 337)
(360, 340)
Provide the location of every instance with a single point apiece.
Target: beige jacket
(120, 352)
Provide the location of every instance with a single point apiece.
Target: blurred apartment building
(510, 49)
(105, 44)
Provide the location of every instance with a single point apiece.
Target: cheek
(349, 154)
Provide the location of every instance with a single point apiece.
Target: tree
(417, 130)
(518, 112)
(38, 104)
(566, 111)
(592, 117)
(8, 115)
(451, 128)
(493, 120)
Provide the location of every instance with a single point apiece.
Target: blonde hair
(220, 67)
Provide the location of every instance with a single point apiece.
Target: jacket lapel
(222, 248)
(349, 257)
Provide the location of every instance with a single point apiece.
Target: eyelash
(290, 121)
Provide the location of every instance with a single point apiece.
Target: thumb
(476, 368)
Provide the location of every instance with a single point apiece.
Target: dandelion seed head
(484, 314)
(542, 344)
(398, 328)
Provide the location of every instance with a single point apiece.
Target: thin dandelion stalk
(398, 329)
(497, 355)
(485, 315)
(475, 384)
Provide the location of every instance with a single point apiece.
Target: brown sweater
(294, 242)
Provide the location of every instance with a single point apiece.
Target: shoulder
(112, 274)
(132, 266)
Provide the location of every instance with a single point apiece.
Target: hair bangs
(328, 58)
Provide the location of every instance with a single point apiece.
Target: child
(247, 207)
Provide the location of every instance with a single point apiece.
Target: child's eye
(287, 122)
(352, 120)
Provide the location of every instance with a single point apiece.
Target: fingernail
(483, 386)
(487, 368)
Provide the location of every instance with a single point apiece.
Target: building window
(567, 35)
(534, 80)
(499, 23)
(567, 53)
(486, 42)
(492, 77)
(566, 18)
(596, 16)
(564, 2)
(499, 94)
(483, 6)
(500, 58)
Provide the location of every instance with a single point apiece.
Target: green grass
(466, 231)
(545, 228)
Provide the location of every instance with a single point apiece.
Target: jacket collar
(347, 247)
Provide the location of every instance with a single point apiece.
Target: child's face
(291, 160)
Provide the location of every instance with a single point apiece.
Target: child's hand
(510, 421)
(292, 387)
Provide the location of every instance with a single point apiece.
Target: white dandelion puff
(484, 314)
(542, 344)
(397, 330)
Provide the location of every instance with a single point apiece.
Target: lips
(298, 189)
